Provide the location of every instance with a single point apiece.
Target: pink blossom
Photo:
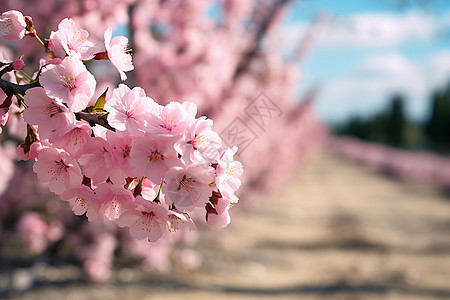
(18, 64)
(71, 40)
(172, 119)
(120, 147)
(115, 200)
(98, 256)
(150, 158)
(149, 188)
(4, 114)
(218, 221)
(220, 217)
(33, 152)
(117, 53)
(74, 140)
(51, 61)
(52, 117)
(97, 160)
(61, 171)
(228, 172)
(180, 221)
(83, 200)
(128, 109)
(33, 231)
(148, 221)
(16, 125)
(69, 82)
(188, 187)
(12, 25)
(199, 144)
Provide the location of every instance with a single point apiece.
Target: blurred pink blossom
(12, 25)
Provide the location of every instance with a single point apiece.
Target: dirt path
(339, 231)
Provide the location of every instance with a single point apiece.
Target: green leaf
(100, 104)
(18, 79)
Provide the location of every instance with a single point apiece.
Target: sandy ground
(338, 231)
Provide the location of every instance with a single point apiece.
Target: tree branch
(95, 118)
(12, 88)
(257, 40)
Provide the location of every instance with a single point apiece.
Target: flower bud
(18, 64)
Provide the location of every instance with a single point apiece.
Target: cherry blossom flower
(69, 82)
(83, 200)
(74, 140)
(159, 165)
(71, 40)
(117, 53)
(228, 172)
(148, 221)
(188, 187)
(172, 119)
(12, 25)
(52, 117)
(50, 61)
(115, 200)
(128, 109)
(180, 221)
(33, 152)
(199, 144)
(151, 158)
(97, 160)
(56, 167)
(217, 210)
(149, 189)
(120, 147)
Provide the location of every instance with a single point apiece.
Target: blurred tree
(437, 127)
(396, 123)
(386, 127)
(391, 126)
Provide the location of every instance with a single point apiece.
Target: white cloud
(366, 29)
(368, 87)
(370, 29)
(378, 77)
(438, 68)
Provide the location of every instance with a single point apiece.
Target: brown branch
(12, 88)
(95, 118)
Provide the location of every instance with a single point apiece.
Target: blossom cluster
(125, 159)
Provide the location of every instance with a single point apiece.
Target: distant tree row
(391, 127)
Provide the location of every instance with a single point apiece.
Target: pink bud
(101, 55)
(18, 64)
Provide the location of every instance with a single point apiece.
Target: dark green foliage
(387, 127)
(391, 127)
(437, 127)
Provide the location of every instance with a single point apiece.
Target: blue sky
(364, 51)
